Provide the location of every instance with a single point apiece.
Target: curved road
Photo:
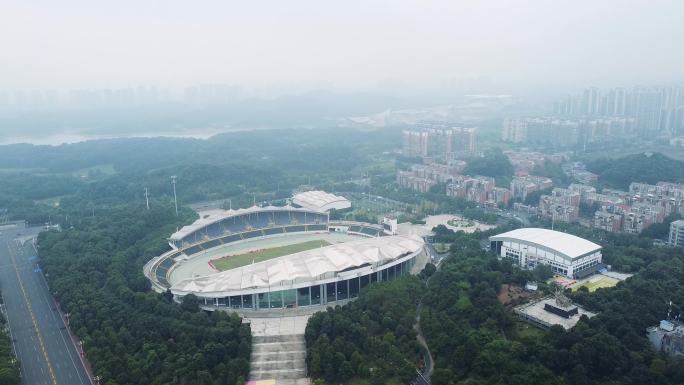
(423, 378)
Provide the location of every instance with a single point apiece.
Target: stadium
(262, 258)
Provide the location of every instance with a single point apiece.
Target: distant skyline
(288, 47)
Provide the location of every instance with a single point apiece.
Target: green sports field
(233, 261)
(601, 283)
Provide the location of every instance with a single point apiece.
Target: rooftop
(319, 199)
(566, 244)
(535, 312)
(305, 265)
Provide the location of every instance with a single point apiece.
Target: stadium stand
(232, 226)
(315, 228)
(371, 231)
(245, 220)
(163, 268)
(273, 230)
(192, 250)
(243, 226)
(366, 230)
(293, 229)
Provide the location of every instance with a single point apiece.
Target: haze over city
(342, 193)
(285, 47)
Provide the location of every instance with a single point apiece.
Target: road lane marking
(33, 319)
(59, 321)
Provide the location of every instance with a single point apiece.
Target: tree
(543, 272)
(132, 335)
(494, 164)
(371, 338)
(645, 167)
(190, 303)
(427, 271)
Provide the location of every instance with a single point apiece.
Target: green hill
(645, 167)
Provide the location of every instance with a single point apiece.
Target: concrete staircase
(279, 357)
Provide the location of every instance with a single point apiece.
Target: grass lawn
(525, 330)
(53, 201)
(365, 381)
(461, 223)
(233, 261)
(101, 170)
(592, 286)
(441, 247)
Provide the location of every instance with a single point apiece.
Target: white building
(677, 233)
(567, 254)
(318, 276)
(320, 201)
(667, 337)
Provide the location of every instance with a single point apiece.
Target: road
(423, 378)
(42, 342)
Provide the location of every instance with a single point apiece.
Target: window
(390, 273)
(222, 301)
(247, 301)
(373, 277)
(384, 275)
(331, 292)
(315, 294)
(342, 290)
(303, 297)
(289, 298)
(235, 301)
(263, 300)
(365, 280)
(276, 299)
(353, 288)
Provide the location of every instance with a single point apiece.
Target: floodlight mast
(175, 197)
(147, 198)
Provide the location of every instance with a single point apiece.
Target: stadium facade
(319, 276)
(568, 255)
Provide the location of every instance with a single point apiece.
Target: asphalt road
(42, 341)
(423, 378)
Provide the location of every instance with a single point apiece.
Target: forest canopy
(646, 167)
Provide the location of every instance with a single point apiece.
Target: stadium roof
(303, 266)
(566, 244)
(212, 216)
(320, 200)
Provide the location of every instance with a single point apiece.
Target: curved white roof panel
(212, 216)
(566, 244)
(306, 265)
(320, 200)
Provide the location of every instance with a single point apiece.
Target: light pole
(175, 198)
(147, 198)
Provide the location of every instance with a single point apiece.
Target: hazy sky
(342, 44)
